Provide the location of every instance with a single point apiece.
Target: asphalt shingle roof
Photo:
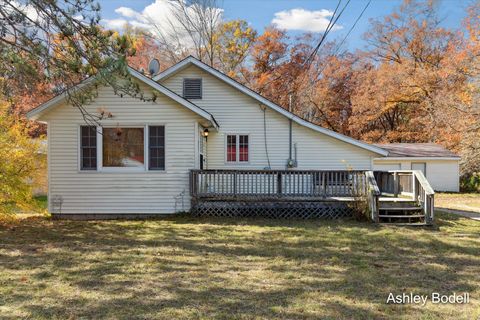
(426, 150)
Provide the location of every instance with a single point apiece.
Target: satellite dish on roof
(153, 67)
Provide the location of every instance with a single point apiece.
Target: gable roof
(249, 92)
(36, 112)
(420, 150)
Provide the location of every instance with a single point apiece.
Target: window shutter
(88, 148)
(156, 148)
(192, 88)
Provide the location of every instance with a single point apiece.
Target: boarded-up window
(156, 147)
(192, 88)
(88, 148)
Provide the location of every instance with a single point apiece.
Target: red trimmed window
(243, 148)
(231, 148)
(237, 148)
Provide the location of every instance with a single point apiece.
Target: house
(439, 165)
(140, 161)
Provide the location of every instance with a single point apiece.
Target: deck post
(395, 184)
(414, 187)
(324, 185)
(279, 183)
(235, 184)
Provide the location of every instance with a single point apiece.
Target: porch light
(205, 133)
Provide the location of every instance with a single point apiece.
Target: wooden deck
(312, 194)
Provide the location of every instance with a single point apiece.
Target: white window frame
(237, 148)
(102, 169)
(120, 169)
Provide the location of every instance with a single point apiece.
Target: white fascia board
(182, 64)
(35, 113)
(417, 159)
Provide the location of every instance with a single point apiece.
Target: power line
(324, 34)
(346, 36)
(330, 26)
(353, 26)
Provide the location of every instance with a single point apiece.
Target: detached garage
(439, 165)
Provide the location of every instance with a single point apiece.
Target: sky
(295, 16)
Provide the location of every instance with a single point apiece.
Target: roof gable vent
(192, 88)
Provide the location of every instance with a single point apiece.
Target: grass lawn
(458, 201)
(183, 267)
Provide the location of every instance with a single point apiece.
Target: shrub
(470, 183)
(18, 165)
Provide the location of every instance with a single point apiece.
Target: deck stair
(406, 198)
(400, 211)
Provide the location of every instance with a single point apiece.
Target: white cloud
(305, 20)
(117, 24)
(158, 17)
(129, 13)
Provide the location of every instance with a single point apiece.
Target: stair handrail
(373, 195)
(425, 195)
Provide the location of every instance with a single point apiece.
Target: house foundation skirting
(274, 210)
(109, 216)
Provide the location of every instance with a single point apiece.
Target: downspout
(290, 162)
(265, 135)
(290, 140)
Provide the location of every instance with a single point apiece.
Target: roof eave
(175, 97)
(190, 60)
(36, 113)
(418, 158)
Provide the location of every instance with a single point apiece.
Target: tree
(268, 53)
(411, 88)
(470, 144)
(61, 42)
(191, 29)
(325, 93)
(233, 42)
(145, 49)
(18, 164)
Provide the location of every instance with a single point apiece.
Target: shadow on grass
(185, 267)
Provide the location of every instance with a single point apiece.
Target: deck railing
(276, 184)
(408, 183)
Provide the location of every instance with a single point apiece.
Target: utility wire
(337, 49)
(324, 34)
(353, 26)
(306, 64)
(332, 23)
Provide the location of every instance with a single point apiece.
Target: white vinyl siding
(422, 166)
(236, 113)
(443, 175)
(388, 166)
(146, 192)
